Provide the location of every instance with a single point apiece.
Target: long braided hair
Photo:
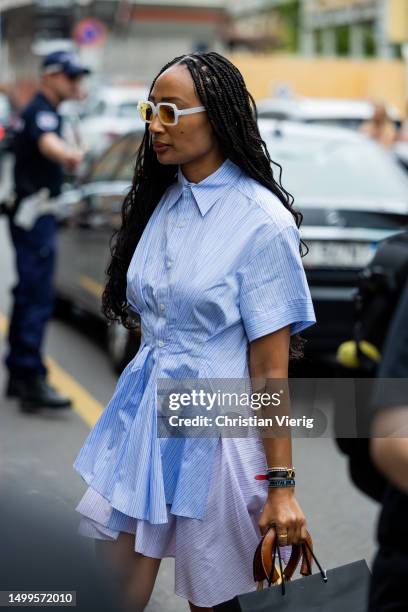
(231, 111)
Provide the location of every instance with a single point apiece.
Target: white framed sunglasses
(167, 112)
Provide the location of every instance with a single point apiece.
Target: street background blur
(317, 69)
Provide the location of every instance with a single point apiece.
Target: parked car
(108, 112)
(89, 212)
(328, 111)
(352, 194)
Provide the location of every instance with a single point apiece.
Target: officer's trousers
(33, 304)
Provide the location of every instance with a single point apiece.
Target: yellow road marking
(3, 325)
(91, 285)
(84, 404)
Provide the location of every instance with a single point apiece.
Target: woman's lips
(160, 146)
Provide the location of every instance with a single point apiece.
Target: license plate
(330, 254)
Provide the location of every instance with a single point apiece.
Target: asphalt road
(37, 452)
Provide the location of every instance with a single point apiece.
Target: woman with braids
(209, 254)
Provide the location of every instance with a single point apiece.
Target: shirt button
(161, 306)
(161, 343)
(168, 264)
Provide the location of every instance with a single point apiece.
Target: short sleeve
(273, 288)
(42, 122)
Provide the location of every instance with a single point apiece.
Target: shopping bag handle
(265, 556)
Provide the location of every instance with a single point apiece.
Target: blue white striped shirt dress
(217, 266)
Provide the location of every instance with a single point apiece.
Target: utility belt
(25, 211)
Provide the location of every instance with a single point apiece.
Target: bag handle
(265, 556)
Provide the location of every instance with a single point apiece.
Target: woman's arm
(389, 445)
(268, 358)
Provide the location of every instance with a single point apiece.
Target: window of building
(343, 40)
(369, 46)
(318, 43)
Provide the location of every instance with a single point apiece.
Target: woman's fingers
(296, 534)
(287, 517)
(293, 532)
(294, 529)
(299, 533)
(303, 532)
(282, 535)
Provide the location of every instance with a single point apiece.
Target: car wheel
(122, 345)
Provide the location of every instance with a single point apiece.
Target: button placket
(168, 259)
(161, 321)
(176, 220)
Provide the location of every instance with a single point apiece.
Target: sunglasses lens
(146, 111)
(167, 114)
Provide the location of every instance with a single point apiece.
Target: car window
(126, 169)
(273, 114)
(353, 218)
(95, 107)
(351, 122)
(106, 167)
(128, 109)
(316, 167)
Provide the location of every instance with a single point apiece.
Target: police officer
(40, 158)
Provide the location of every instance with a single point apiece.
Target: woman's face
(192, 138)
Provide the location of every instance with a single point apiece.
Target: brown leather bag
(264, 557)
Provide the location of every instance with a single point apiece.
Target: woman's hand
(282, 508)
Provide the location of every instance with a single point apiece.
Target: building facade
(140, 36)
(356, 28)
(351, 28)
(263, 25)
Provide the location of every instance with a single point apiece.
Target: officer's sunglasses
(167, 112)
(74, 78)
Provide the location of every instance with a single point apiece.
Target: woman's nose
(155, 126)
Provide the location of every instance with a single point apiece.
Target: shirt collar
(209, 190)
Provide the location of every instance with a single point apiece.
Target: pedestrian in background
(209, 255)
(40, 158)
(389, 451)
(380, 127)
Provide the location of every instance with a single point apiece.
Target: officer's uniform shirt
(33, 170)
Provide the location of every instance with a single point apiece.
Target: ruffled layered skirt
(213, 556)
